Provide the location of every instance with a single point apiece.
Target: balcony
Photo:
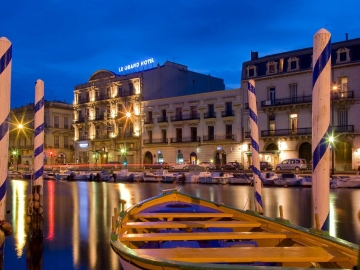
(84, 100)
(209, 115)
(162, 119)
(149, 121)
(153, 141)
(185, 139)
(194, 116)
(102, 97)
(99, 117)
(286, 132)
(83, 138)
(227, 113)
(286, 101)
(343, 129)
(225, 137)
(79, 120)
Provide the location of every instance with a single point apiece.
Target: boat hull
(173, 220)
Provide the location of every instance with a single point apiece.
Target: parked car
(264, 166)
(157, 165)
(296, 164)
(181, 166)
(207, 165)
(232, 166)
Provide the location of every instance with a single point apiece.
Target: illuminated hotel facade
(108, 112)
(284, 102)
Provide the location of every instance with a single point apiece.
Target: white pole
(320, 127)
(5, 86)
(39, 134)
(255, 146)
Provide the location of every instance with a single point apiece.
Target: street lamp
(15, 154)
(332, 139)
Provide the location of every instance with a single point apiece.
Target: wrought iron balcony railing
(162, 119)
(219, 137)
(149, 141)
(185, 117)
(185, 139)
(79, 120)
(149, 121)
(286, 101)
(227, 113)
(210, 115)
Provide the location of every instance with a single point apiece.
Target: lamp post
(15, 154)
(332, 138)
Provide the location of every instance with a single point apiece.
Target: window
(193, 134)
(66, 141)
(271, 67)
(228, 130)
(271, 123)
(211, 133)
(108, 111)
(120, 91)
(131, 89)
(343, 85)
(97, 94)
(272, 95)
(56, 141)
(66, 122)
(149, 117)
(293, 91)
(342, 118)
(97, 131)
(293, 65)
(163, 114)
(228, 107)
(178, 113)
(179, 135)
(97, 113)
(87, 98)
(293, 123)
(251, 72)
(343, 55)
(150, 136)
(193, 111)
(163, 135)
(108, 92)
(56, 121)
(211, 109)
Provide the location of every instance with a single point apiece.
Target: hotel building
(108, 111)
(284, 102)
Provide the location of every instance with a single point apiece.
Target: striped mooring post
(5, 86)
(255, 146)
(320, 127)
(37, 220)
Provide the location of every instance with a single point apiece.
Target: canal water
(77, 217)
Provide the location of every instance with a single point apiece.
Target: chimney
(347, 36)
(254, 55)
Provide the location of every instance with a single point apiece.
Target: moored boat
(345, 182)
(288, 179)
(240, 179)
(179, 231)
(267, 178)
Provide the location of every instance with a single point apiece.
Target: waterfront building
(58, 134)
(108, 113)
(284, 99)
(195, 128)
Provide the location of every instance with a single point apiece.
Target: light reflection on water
(78, 216)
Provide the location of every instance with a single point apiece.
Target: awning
(267, 152)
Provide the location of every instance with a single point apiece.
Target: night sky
(63, 42)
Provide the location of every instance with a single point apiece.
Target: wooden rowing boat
(178, 231)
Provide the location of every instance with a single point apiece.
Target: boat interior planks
(247, 254)
(190, 224)
(204, 236)
(180, 215)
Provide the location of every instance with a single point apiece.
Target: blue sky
(63, 42)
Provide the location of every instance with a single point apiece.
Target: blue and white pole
(255, 146)
(5, 86)
(39, 134)
(320, 127)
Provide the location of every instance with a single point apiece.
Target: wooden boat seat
(183, 215)
(191, 224)
(204, 236)
(247, 254)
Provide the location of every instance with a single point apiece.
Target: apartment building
(193, 128)
(108, 114)
(58, 134)
(284, 102)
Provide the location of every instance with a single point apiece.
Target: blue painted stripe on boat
(321, 62)
(3, 190)
(259, 199)
(39, 105)
(4, 127)
(251, 88)
(5, 59)
(39, 173)
(320, 150)
(254, 144)
(39, 129)
(253, 116)
(39, 150)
